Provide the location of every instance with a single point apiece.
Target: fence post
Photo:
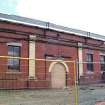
(75, 84)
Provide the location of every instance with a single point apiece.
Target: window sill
(89, 72)
(13, 72)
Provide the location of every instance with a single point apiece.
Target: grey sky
(8, 6)
(86, 15)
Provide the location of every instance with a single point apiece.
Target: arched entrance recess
(58, 74)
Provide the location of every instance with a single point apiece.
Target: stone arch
(53, 63)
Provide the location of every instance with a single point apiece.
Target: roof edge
(48, 25)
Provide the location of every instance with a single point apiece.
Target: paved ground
(100, 103)
(88, 95)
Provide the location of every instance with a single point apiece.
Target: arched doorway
(58, 74)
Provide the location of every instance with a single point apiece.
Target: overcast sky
(88, 15)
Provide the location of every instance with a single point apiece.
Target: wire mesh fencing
(91, 85)
(51, 82)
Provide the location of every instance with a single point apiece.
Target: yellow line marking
(23, 58)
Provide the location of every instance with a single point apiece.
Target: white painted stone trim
(80, 59)
(53, 63)
(14, 44)
(32, 56)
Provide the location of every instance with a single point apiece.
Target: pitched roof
(43, 24)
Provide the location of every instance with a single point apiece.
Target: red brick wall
(96, 58)
(95, 76)
(42, 72)
(10, 78)
(42, 49)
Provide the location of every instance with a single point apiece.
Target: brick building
(30, 38)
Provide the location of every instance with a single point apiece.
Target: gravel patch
(88, 95)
